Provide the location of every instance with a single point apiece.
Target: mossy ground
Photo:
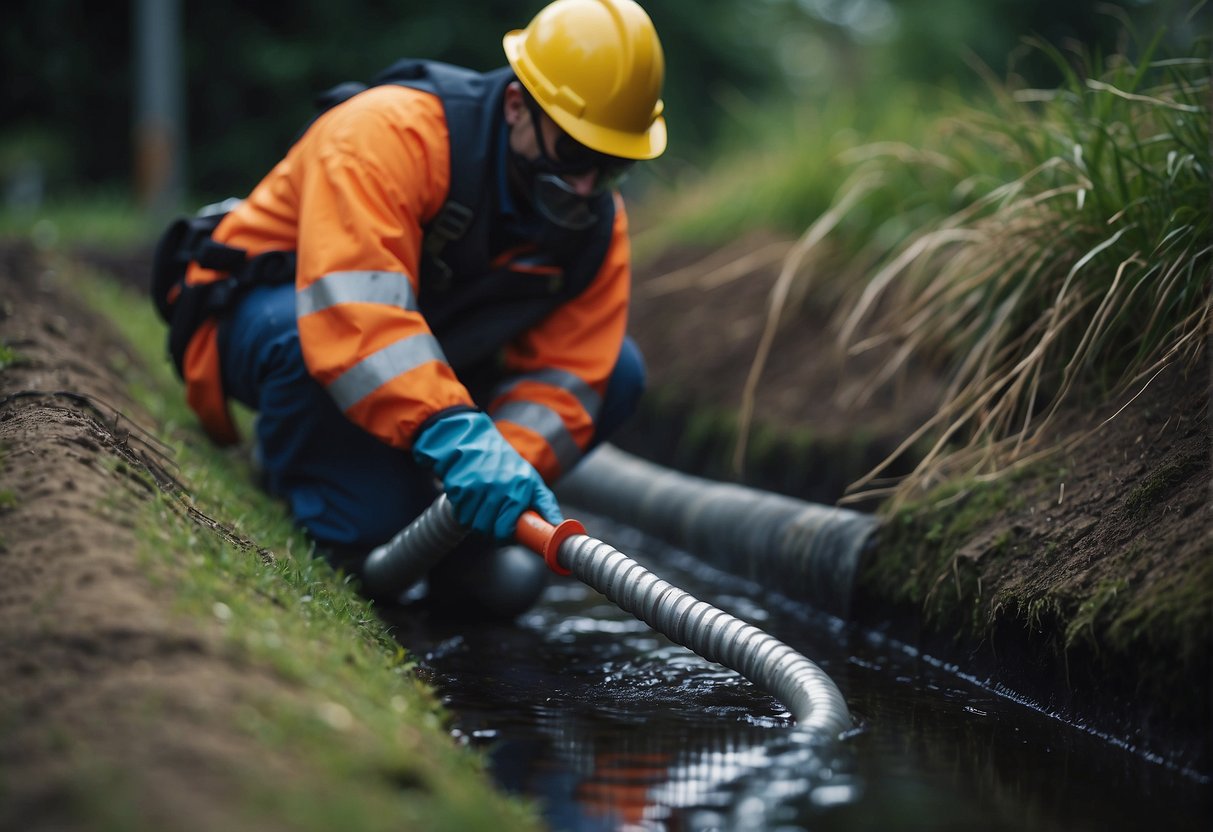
(1086, 581)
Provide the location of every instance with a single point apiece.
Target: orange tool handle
(544, 539)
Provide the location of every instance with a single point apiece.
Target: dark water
(611, 727)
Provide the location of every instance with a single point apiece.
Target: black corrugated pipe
(806, 551)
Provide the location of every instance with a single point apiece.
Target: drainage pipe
(804, 688)
(805, 551)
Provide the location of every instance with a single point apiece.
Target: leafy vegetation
(8, 356)
(68, 88)
(107, 219)
(784, 164)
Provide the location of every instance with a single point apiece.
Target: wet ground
(611, 727)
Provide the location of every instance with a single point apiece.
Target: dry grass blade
(852, 194)
(1080, 275)
(923, 245)
(1145, 99)
(703, 276)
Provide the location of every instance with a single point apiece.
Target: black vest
(472, 308)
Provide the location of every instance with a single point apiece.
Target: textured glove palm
(488, 483)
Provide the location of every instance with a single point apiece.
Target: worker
(430, 292)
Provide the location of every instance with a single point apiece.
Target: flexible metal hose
(416, 549)
(803, 687)
(807, 692)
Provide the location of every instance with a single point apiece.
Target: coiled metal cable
(803, 687)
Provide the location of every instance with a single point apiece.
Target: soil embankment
(1084, 585)
(124, 706)
(115, 707)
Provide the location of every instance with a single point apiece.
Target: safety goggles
(557, 201)
(576, 159)
(572, 158)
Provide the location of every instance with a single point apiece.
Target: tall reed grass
(1085, 270)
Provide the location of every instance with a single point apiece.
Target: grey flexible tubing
(808, 693)
(805, 551)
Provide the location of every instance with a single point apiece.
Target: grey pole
(159, 131)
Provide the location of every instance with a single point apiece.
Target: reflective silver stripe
(385, 288)
(545, 422)
(378, 368)
(563, 379)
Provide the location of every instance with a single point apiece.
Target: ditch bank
(1082, 586)
(146, 688)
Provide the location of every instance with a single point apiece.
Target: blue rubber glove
(488, 483)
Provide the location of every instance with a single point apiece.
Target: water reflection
(611, 727)
(628, 775)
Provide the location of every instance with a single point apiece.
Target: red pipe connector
(544, 539)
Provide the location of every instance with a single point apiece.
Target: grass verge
(108, 219)
(366, 738)
(1036, 245)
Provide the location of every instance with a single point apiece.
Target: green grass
(1041, 247)
(370, 734)
(1084, 271)
(786, 165)
(8, 356)
(104, 218)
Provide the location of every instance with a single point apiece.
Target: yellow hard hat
(596, 68)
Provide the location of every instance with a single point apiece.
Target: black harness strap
(185, 306)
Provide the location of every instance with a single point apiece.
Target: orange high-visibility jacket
(350, 199)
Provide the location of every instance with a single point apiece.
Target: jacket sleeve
(370, 172)
(548, 406)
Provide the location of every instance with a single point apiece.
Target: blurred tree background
(252, 67)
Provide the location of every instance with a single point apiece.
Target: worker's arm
(559, 370)
(370, 172)
(379, 170)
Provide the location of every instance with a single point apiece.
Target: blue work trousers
(348, 489)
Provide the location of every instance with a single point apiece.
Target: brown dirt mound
(817, 425)
(114, 710)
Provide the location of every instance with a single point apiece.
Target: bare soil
(818, 422)
(114, 711)
(88, 646)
